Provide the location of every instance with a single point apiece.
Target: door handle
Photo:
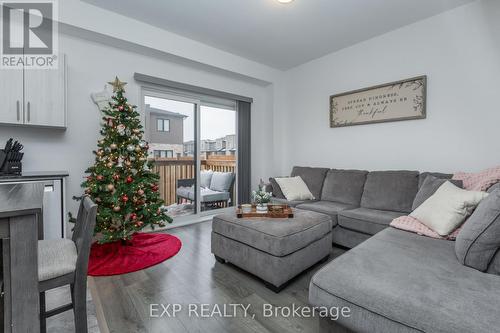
(29, 112)
(18, 108)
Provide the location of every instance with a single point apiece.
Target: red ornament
(124, 198)
(140, 192)
(133, 216)
(116, 177)
(129, 180)
(154, 188)
(120, 107)
(99, 177)
(138, 223)
(89, 178)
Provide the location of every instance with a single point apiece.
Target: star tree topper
(117, 84)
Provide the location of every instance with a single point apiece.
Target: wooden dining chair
(65, 261)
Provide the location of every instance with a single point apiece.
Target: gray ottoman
(275, 250)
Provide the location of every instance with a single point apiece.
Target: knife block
(8, 166)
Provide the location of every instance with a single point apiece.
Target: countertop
(34, 175)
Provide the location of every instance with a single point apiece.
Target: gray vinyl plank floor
(122, 303)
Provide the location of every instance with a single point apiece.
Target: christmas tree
(121, 182)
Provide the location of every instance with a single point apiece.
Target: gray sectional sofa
(392, 280)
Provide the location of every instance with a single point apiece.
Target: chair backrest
(83, 233)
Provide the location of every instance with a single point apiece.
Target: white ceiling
(278, 35)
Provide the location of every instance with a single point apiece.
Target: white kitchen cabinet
(11, 95)
(45, 96)
(34, 97)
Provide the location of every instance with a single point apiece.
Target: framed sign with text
(395, 101)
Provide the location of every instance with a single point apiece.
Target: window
(163, 125)
(164, 153)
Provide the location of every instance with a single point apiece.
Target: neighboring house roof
(164, 112)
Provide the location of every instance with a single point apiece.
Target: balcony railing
(173, 169)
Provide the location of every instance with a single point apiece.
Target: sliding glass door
(194, 147)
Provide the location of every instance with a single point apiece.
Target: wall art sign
(395, 101)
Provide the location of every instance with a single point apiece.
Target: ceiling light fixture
(284, 1)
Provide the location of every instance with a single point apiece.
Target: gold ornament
(109, 164)
(116, 208)
(110, 187)
(113, 146)
(117, 84)
(137, 149)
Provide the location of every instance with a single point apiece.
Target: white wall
(90, 66)
(459, 51)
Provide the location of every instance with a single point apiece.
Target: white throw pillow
(447, 208)
(294, 188)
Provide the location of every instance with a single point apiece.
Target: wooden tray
(286, 213)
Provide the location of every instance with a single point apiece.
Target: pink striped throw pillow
(411, 224)
(480, 181)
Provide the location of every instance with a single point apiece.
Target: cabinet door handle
(29, 111)
(18, 108)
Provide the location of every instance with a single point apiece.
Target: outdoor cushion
(56, 257)
(313, 177)
(208, 195)
(326, 207)
(278, 237)
(368, 221)
(479, 240)
(221, 181)
(276, 188)
(206, 178)
(397, 278)
(344, 186)
(390, 190)
(429, 187)
(185, 192)
(439, 175)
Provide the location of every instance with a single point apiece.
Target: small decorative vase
(262, 208)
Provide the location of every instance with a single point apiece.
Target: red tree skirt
(142, 251)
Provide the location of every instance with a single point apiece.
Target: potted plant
(261, 198)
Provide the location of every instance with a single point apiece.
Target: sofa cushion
(390, 190)
(221, 181)
(479, 240)
(313, 177)
(439, 175)
(326, 207)
(289, 203)
(429, 187)
(208, 195)
(278, 237)
(344, 186)
(206, 178)
(368, 221)
(404, 279)
(448, 208)
(276, 189)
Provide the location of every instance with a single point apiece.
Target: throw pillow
(411, 224)
(448, 208)
(429, 187)
(294, 188)
(479, 181)
(276, 189)
(206, 178)
(221, 181)
(479, 239)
